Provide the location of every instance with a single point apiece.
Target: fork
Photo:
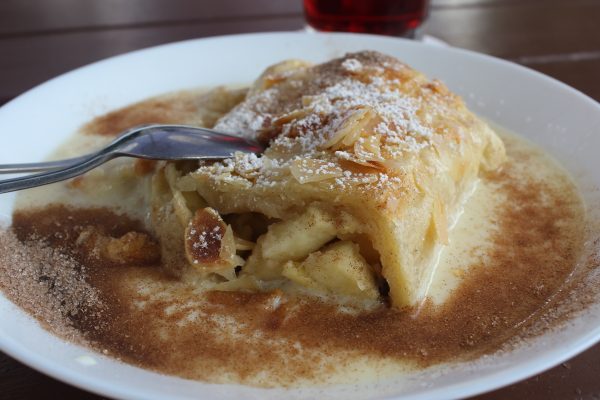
(154, 142)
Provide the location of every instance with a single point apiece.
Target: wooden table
(43, 38)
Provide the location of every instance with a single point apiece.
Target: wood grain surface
(40, 39)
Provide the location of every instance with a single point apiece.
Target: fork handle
(44, 178)
(40, 166)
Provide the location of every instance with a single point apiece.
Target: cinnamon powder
(524, 286)
(147, 318)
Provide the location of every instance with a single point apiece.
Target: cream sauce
(176, 327)
(470, 238)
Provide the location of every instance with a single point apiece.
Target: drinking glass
(384, 17)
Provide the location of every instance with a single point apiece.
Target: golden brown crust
(365, 135)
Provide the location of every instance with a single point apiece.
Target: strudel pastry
(368, 165)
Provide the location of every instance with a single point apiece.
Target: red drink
(384, 17)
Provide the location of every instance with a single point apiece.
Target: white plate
(563, 121)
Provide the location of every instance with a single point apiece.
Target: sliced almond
(351, 128)
(209, 242)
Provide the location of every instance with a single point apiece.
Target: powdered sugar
(325, 113)
(352, 65)
(250, 116)
(201, 240)
(397, 112)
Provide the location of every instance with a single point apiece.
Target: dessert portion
(368, 166)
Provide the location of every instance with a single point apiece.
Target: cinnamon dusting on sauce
(141, 315)
(168, 325)
(148, 112)
(185, 107)
(50, 285)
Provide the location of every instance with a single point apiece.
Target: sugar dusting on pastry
(366, 110)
